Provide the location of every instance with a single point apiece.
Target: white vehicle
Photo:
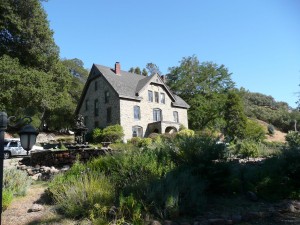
(12, 147)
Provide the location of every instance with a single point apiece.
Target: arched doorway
(170, 130)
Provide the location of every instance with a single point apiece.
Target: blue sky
(257, 40)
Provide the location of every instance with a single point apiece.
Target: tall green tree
(203, 86)
(193, 77)
(33, 79)
(153, 69)
(25, 34)
(135, 70)
(236, 120)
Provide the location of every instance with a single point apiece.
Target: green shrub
(195, 150)
(254, 131)
(247, 148)
(77, 196)
(16, 181)
(293, 139)
(130, 209)
(186, 133)
(7, 197)
(271, 129)
(123, 147)
(145, 142)
(97, 135)
(135, 141)
(113, 133)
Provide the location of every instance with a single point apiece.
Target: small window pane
(162, 98)
(157, 115)
(106, 96)
(13, 144)
(150, 96)
(176, 119)
(156, 95)
(137, 112)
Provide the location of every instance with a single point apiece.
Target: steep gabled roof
(128, 85)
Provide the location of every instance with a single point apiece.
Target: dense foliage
(265, 108)
(113, 133)
(15, 183)
(34, 81)
(173, 177)
(204, 87)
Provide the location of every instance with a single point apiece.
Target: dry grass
(277, 137)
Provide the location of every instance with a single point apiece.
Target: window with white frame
(176, 118)
(162, 98)
(156, 96)
(150, 96)
(157, 115)
(137, 131)
(136, 112)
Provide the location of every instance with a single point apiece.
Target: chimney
(118, 68)
(163, 78)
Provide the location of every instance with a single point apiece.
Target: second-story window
(157, 115)
(86, 105)
(150, 96)
(162, 98)
(176, 118)
(106, 96)
(156, 96)
(96, 85)
(96, 107)
(136, 112)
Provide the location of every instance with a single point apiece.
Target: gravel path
(17, 213)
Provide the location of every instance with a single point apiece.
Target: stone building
(140, 104)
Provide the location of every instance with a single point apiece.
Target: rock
(251, 196)
(155, 222)
(36, 208)
(288, 207)
(53, 170)
(36, 176)
(30, 172)
(65, 168)
(23, 167)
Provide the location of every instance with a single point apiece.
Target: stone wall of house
(96, 90)
(146, 109)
